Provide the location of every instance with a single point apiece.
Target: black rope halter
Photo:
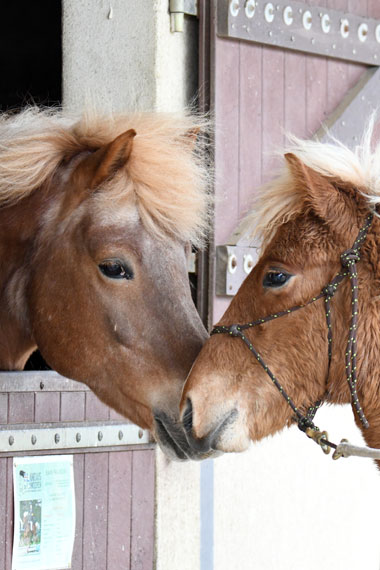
(348, 259)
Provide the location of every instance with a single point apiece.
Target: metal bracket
(58, 437)
(177, 11)
(38, 381)
(233, 264)
(320, 437)
(298, 26)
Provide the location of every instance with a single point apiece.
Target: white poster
(44, 518)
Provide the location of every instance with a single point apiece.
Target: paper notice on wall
(44, 512)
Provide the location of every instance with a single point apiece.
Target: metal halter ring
(320, 437)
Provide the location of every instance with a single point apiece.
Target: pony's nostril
(187, 419)
(210, 441)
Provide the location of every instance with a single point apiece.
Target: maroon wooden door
(114, 487)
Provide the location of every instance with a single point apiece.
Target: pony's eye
(275, 278)
(115, 269)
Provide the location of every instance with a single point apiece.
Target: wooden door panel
(114, 490)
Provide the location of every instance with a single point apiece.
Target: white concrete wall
(121, 56)
(177, 514)
(284, 505)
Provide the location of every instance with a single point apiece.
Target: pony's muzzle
(173, 440)
(209, 443)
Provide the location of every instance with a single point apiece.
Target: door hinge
(177, 11)
(59, 436)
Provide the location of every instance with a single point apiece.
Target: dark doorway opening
(31, 67)
(31, 53)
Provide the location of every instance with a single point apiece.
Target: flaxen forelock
(281, 200)
(169, 176)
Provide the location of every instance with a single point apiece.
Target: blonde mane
(169, 177)
(280, 200)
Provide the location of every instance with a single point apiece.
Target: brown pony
(307, 218)
(96, 215)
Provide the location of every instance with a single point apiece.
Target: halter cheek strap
(348, 258)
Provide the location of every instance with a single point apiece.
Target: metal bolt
(11, 440)
(344, 28)
(42, 385)
(250, 7)
(363, 32)
(78, 437)
(141, 433)
(269, 12)
(33, 439)
(307, 20)
(100, 436)
(325, 23)
(57, 438)
(287, 15)
(377, 33)
(121, 435)
(234, 7)
(232, 263)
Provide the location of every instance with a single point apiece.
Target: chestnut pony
(96, 215)
(306, 218)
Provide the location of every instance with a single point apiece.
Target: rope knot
(329, 290)
(234, 330)
(304, 423)
(349, 257)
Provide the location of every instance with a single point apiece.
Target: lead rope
(349, 258)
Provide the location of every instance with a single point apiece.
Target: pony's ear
(102, 164)
(328, 197)
(97, 167)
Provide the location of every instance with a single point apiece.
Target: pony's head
(101, 286)
(306, 218)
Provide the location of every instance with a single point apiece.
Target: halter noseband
(348, 259)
